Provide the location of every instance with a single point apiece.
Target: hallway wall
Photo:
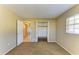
(70, 42)
(52, 28)
(25, 30)
(7, 29)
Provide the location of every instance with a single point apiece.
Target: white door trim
(48, 32)
(36, 31)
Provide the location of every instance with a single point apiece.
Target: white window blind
(72, 24)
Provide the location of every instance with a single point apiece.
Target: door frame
(30, 30)
(37, 31)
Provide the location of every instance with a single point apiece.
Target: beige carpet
(40, 48)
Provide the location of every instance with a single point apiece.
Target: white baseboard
(8, 51)
(63, 47)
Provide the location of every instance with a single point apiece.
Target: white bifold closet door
(42, 31)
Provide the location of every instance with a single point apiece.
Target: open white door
(19, 32)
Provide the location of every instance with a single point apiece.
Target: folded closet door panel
(42, 31)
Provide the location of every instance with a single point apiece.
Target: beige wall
(7, 30)
(70, 42)
(52, 28)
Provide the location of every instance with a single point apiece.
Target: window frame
(67, 25)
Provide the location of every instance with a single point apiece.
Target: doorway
(42, 31)
(23, 32)
(26, 31)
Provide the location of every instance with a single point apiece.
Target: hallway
(26, 31)
(39, 48)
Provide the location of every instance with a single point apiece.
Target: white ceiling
(39, 10)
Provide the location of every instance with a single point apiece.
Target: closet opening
(42, 30)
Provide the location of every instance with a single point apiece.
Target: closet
(42, 30)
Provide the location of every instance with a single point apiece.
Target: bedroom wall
(7, 29)
(69, 42)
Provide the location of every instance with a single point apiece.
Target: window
(72, 24)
